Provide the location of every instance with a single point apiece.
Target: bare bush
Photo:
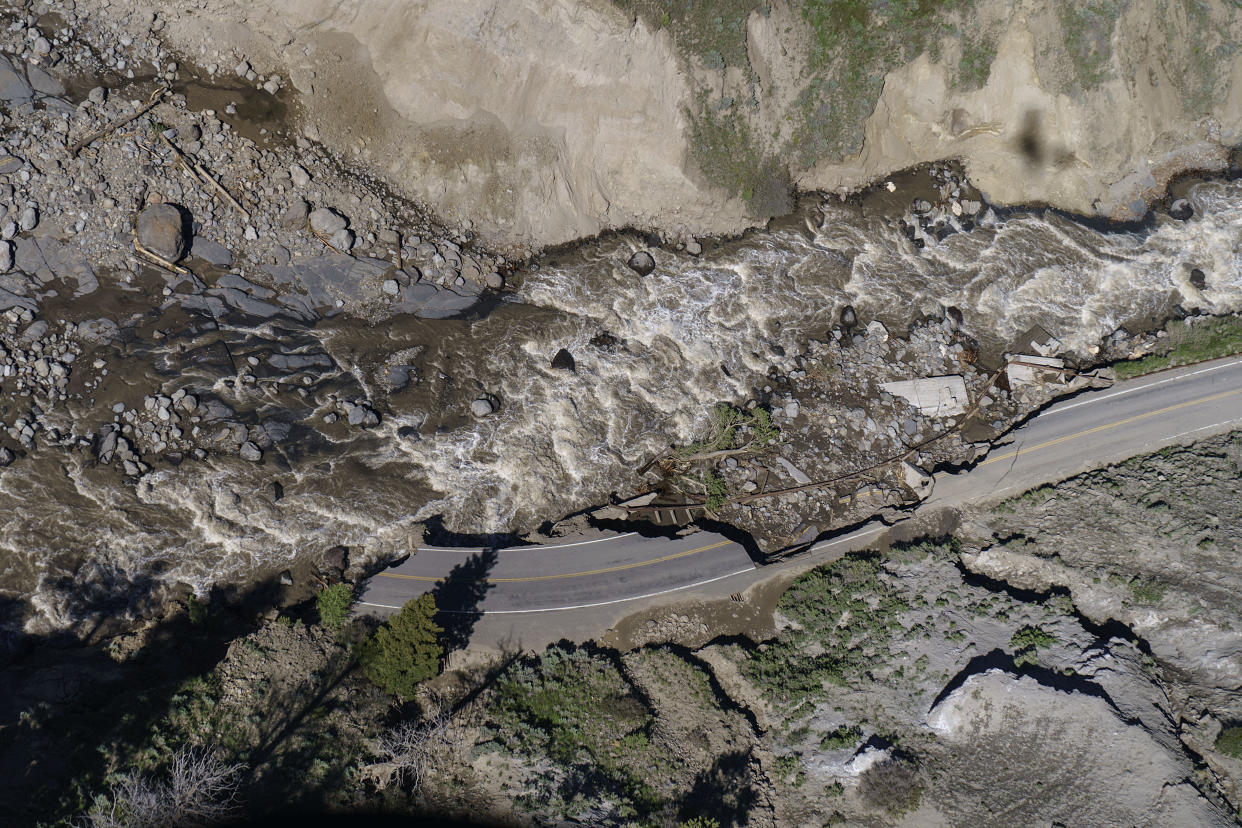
(199, 789)
(894, 785)
(409, 750)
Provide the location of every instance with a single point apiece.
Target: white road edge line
(1104, 397)
(1206, 427)
(532, 546)
(750, 568)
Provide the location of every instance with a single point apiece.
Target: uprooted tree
(406, 650)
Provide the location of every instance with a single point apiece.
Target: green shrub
(196, 610)
(1229, 742)
(1026, 643)
(844, 736)
(334, 603)
(406, 650)
(716, 490)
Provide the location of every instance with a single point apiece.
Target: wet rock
(278, 491)
(849, 318)
(325, 221)
(336, 558)
(162, 231)
(249, 451)
(693, 247)
(409, 433)
(286, 578)
(1197, 278)
(642, 263)
(563, 361)
(482, 407)
(1181, 210)
(954, 317)
(300, 177)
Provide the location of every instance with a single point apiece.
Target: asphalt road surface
(1087, 431)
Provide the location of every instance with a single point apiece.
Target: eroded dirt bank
(548, 120)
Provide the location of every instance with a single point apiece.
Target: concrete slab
(933, 396)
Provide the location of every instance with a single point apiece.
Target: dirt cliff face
(547, 120)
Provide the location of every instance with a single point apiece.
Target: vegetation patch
(1186, 343)
(406, 650)
(1027, 642)
(731, 428)
(843, 618)
(334, 603)
(1229, 742)
(1087, 31)
(575, 708)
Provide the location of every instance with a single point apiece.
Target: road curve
(1089, 430)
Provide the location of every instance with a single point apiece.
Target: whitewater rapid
(652, 354)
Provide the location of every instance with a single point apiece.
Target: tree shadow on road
(459, 598)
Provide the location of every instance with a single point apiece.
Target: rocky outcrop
(546, 120)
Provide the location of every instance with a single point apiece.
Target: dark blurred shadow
(459, 598)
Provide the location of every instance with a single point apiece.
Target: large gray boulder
(161, 230)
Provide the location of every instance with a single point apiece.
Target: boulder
(1181, 210)
(1198, 279)
(249, 451)
(6, 256)
(848, 317)
(162, 231)
(325, 221)
(482, 407)
(295, 215)
(563, 361)
(642, 263)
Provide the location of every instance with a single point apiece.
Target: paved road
(1087, 431)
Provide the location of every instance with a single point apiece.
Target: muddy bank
(548, 120)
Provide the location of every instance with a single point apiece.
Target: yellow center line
(604, 571)
(1107, 426)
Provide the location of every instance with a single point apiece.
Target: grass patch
(1216, 337)
(975, 65)
(1146, 593)
(1087, 30)
(855, 43)
(1229, 742)
(730, 156)
(714, 30)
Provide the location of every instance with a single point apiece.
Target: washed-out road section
(565, 588)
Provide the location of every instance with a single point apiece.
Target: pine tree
(406, 650)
